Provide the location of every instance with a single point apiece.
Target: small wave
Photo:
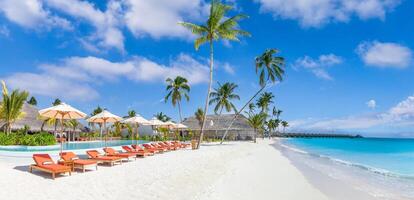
(375, 170)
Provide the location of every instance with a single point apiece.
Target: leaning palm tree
(11, 106)
(256, 121)
(270, 70)
(217, 27)
(176, 89)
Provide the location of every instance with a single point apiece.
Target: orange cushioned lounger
(172, 145)
(150, 147)
(155, 145)
(45, 163)
(137, 152)
(94, 155)
(138, 148)
(111, 152)
(78, 163)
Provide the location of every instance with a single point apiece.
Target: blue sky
(349, 63)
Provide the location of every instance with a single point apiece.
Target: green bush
(37, 139)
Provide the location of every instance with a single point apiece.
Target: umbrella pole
(106, 132)
(61, 135)
(137, 126)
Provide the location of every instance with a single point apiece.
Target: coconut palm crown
(11, 106)
(222, 97)
(177, 88)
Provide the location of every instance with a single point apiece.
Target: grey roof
(31, 119)
(220, 122)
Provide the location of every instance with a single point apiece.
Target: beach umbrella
(137, 120)
(103, 118)
(154, 122)
(62, 111)
(180, 126)
(170, 124)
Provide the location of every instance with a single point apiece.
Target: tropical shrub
(38, 139)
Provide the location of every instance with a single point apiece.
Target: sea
(380, 167)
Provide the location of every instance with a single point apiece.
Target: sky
(349, 63)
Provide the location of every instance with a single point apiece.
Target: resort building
(216, 126)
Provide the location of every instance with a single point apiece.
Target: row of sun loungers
(69, 161)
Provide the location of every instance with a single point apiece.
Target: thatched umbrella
(137, 120)
(62, 111)
(103, 118)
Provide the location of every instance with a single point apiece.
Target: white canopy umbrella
(180, 126)
(103, 118)
(154, 122)
(62, 111)
(170, 124)
(137, 120)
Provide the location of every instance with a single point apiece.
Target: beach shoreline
(235, 170)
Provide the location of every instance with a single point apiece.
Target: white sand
(239, 170)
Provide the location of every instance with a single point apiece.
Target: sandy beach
(238, 170)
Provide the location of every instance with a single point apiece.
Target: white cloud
(52, 86)
(107, 23)
(318, 66)
(75, 77)
(315, 13)
(401, 115)
(31, 14)
(159, 18)
(372, 104)
(228, 68)
(4, 31)
(383, 55)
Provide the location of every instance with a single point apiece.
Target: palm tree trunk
(238, 113)
(219, 118)
(179, 111)
(255, 135)
(208, 94)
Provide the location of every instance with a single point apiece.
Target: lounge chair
(164, 148)
(151, 150)
(171, 145)
(78, 163)
(150, 146)
(137, 152)
(45, 163)
(167, 146)
(94, 155)
(181, 144)
(111, 152)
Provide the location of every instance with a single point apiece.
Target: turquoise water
(392, 157)
(72, 145)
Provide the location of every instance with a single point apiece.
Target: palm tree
(284, 124)
(264, 101)
(277, 112)
(132, 113)
(256, 121)
(11, 106)
(73, 124)
(252, 106)
(32, 101)
(270, 70)
(162, 117)
(271, 126)
(199, 115)
(217, 27)
(56, 102)
(222, 97)
(96, 111)
(176, 89)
